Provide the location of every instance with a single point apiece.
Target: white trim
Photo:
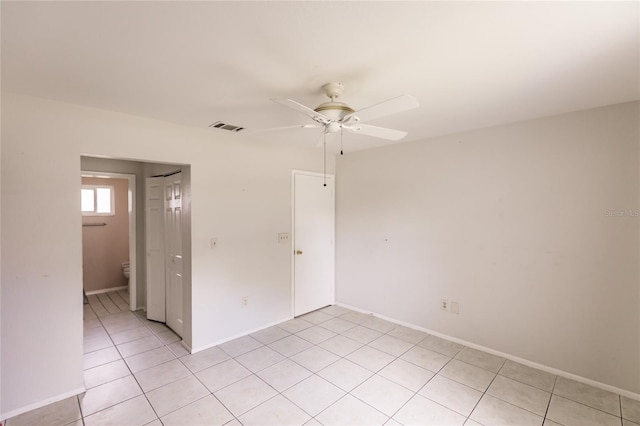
(42, 403)
(295, 172)
(236, 336)
(106, 290)
(133, 263)
(514, 358)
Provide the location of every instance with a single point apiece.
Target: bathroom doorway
(109, 260)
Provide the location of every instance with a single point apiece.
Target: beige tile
(259, 359)
(548, 422)
(295, 325)
(108, 394)
(315, 358)
(493, 411)
(161, 375)
(290, 345)
(316, 317)
(362, 334)
(276, 411)
(313, 394)
(204, 359)
(519, 394)
(222, 375)
(205, 411)
(345, 374)
(391, 345)
(468, 374)
(571, 413)
(135, 411)
(440, 345)
(383, 394)
(149, 359)
(630, 409)
(378, 324)
(105, 373)
(178, 349)
(406, 374)
(130, 335)
(240, 346)
(57, 414)
(340, 345)
(138, 346)
(480, 359)
(338, 325)
(370, 358)
(354, 317)
(593, 397)
(626, 422)
(426, 358)
(528, 375)
(422, 411)
(168, 337)
(284, 374)
(315, 334)
(335, 310)
(103, 356)
(453, 395)
(244, 395)
(91, 344)
(408, 334)
(176, 395)
(351, 411)
(270, 335)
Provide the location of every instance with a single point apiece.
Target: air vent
(225, 126)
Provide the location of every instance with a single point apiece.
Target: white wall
(511, 222)
(240, 194)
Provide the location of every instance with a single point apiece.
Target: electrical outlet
(455, 307)
(283, 238)
(444, 304)
(245, 301)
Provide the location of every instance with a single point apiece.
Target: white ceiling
(470, 64)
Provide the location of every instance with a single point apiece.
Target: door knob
(298, 252)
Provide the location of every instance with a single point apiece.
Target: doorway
(313, 241)
(109, 233)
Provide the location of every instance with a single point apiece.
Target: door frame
(295, 172)
(133, 302)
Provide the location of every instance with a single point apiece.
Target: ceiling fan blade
(378, 132)
(384, 108)
(297, 126)
(315, 116)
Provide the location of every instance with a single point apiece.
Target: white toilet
(125, 270)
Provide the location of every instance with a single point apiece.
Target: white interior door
(313, 242)
(154, 231)
(173, 250)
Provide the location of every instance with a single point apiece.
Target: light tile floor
(329, 367)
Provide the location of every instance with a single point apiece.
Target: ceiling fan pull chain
(341, 153)
(325, 158)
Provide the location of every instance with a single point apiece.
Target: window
(97, 200)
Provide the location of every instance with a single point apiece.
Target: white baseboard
(245, 333)
(39, 404)
(514, 358)
(106, 290)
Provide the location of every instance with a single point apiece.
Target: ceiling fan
(335, 116)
